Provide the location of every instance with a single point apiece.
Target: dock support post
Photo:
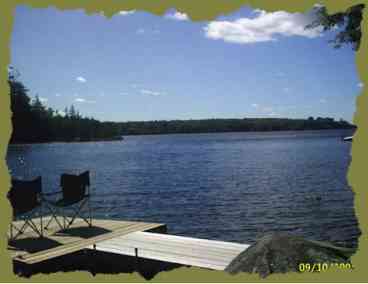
(136, 259)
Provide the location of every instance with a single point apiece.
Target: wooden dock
(140, 239)
(176, 249)
(30, 249)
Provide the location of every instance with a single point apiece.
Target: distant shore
(219, 125)
(120, 138)
(241, 131)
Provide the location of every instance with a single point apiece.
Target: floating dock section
(139, 239)
(182, 250)
(30, 249)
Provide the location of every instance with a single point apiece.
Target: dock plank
(126, 238)
(177, 249)
(30, 249)
(181, 239)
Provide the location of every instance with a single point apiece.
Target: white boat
(348, 138)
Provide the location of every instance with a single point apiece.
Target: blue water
(224, 186)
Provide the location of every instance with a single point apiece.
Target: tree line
(34, 122)
(231, 125)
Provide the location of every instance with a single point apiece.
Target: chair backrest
(74, 186)
(24, 195)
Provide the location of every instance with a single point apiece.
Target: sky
(138, 66)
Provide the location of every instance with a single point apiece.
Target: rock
(280, 253)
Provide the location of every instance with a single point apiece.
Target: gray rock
(280, 253)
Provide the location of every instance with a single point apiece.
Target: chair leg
(31, 224)
(19, 231)
(89, 212)
(27, 222)
(41, 220)
(88, 218)
(78, 212)
(53, 217)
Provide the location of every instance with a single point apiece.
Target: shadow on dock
(82, 232)
(71, 249)
(95, 262)
(36, 244)
(32, 245)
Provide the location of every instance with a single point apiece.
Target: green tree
(34, 122)
(20, 107)
(349, 22)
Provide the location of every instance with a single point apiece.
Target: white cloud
(81, 79)
(318, 5)
(57, 95)
(272, 114)
(323, 101)
(43, 100)
(59, 112)
(148, 31)
(178, 16)
(151, 93)
(82, 100)
(262, 28)
(124, 13)
(286, 89)
(360, 84)
(264, 110)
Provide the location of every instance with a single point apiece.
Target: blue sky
(139, 66)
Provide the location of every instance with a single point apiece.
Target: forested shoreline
(230, 125)
(33, 122)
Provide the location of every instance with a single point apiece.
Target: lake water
(224, 186)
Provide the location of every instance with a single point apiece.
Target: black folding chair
(25, 198)
(75, 196)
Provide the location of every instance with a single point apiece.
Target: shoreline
(180, 133)
(65, 141)
(244, 131)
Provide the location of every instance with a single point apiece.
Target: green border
(197, 10)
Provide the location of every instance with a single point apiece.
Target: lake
(224, 186)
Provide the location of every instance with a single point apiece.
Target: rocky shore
(281, 253)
